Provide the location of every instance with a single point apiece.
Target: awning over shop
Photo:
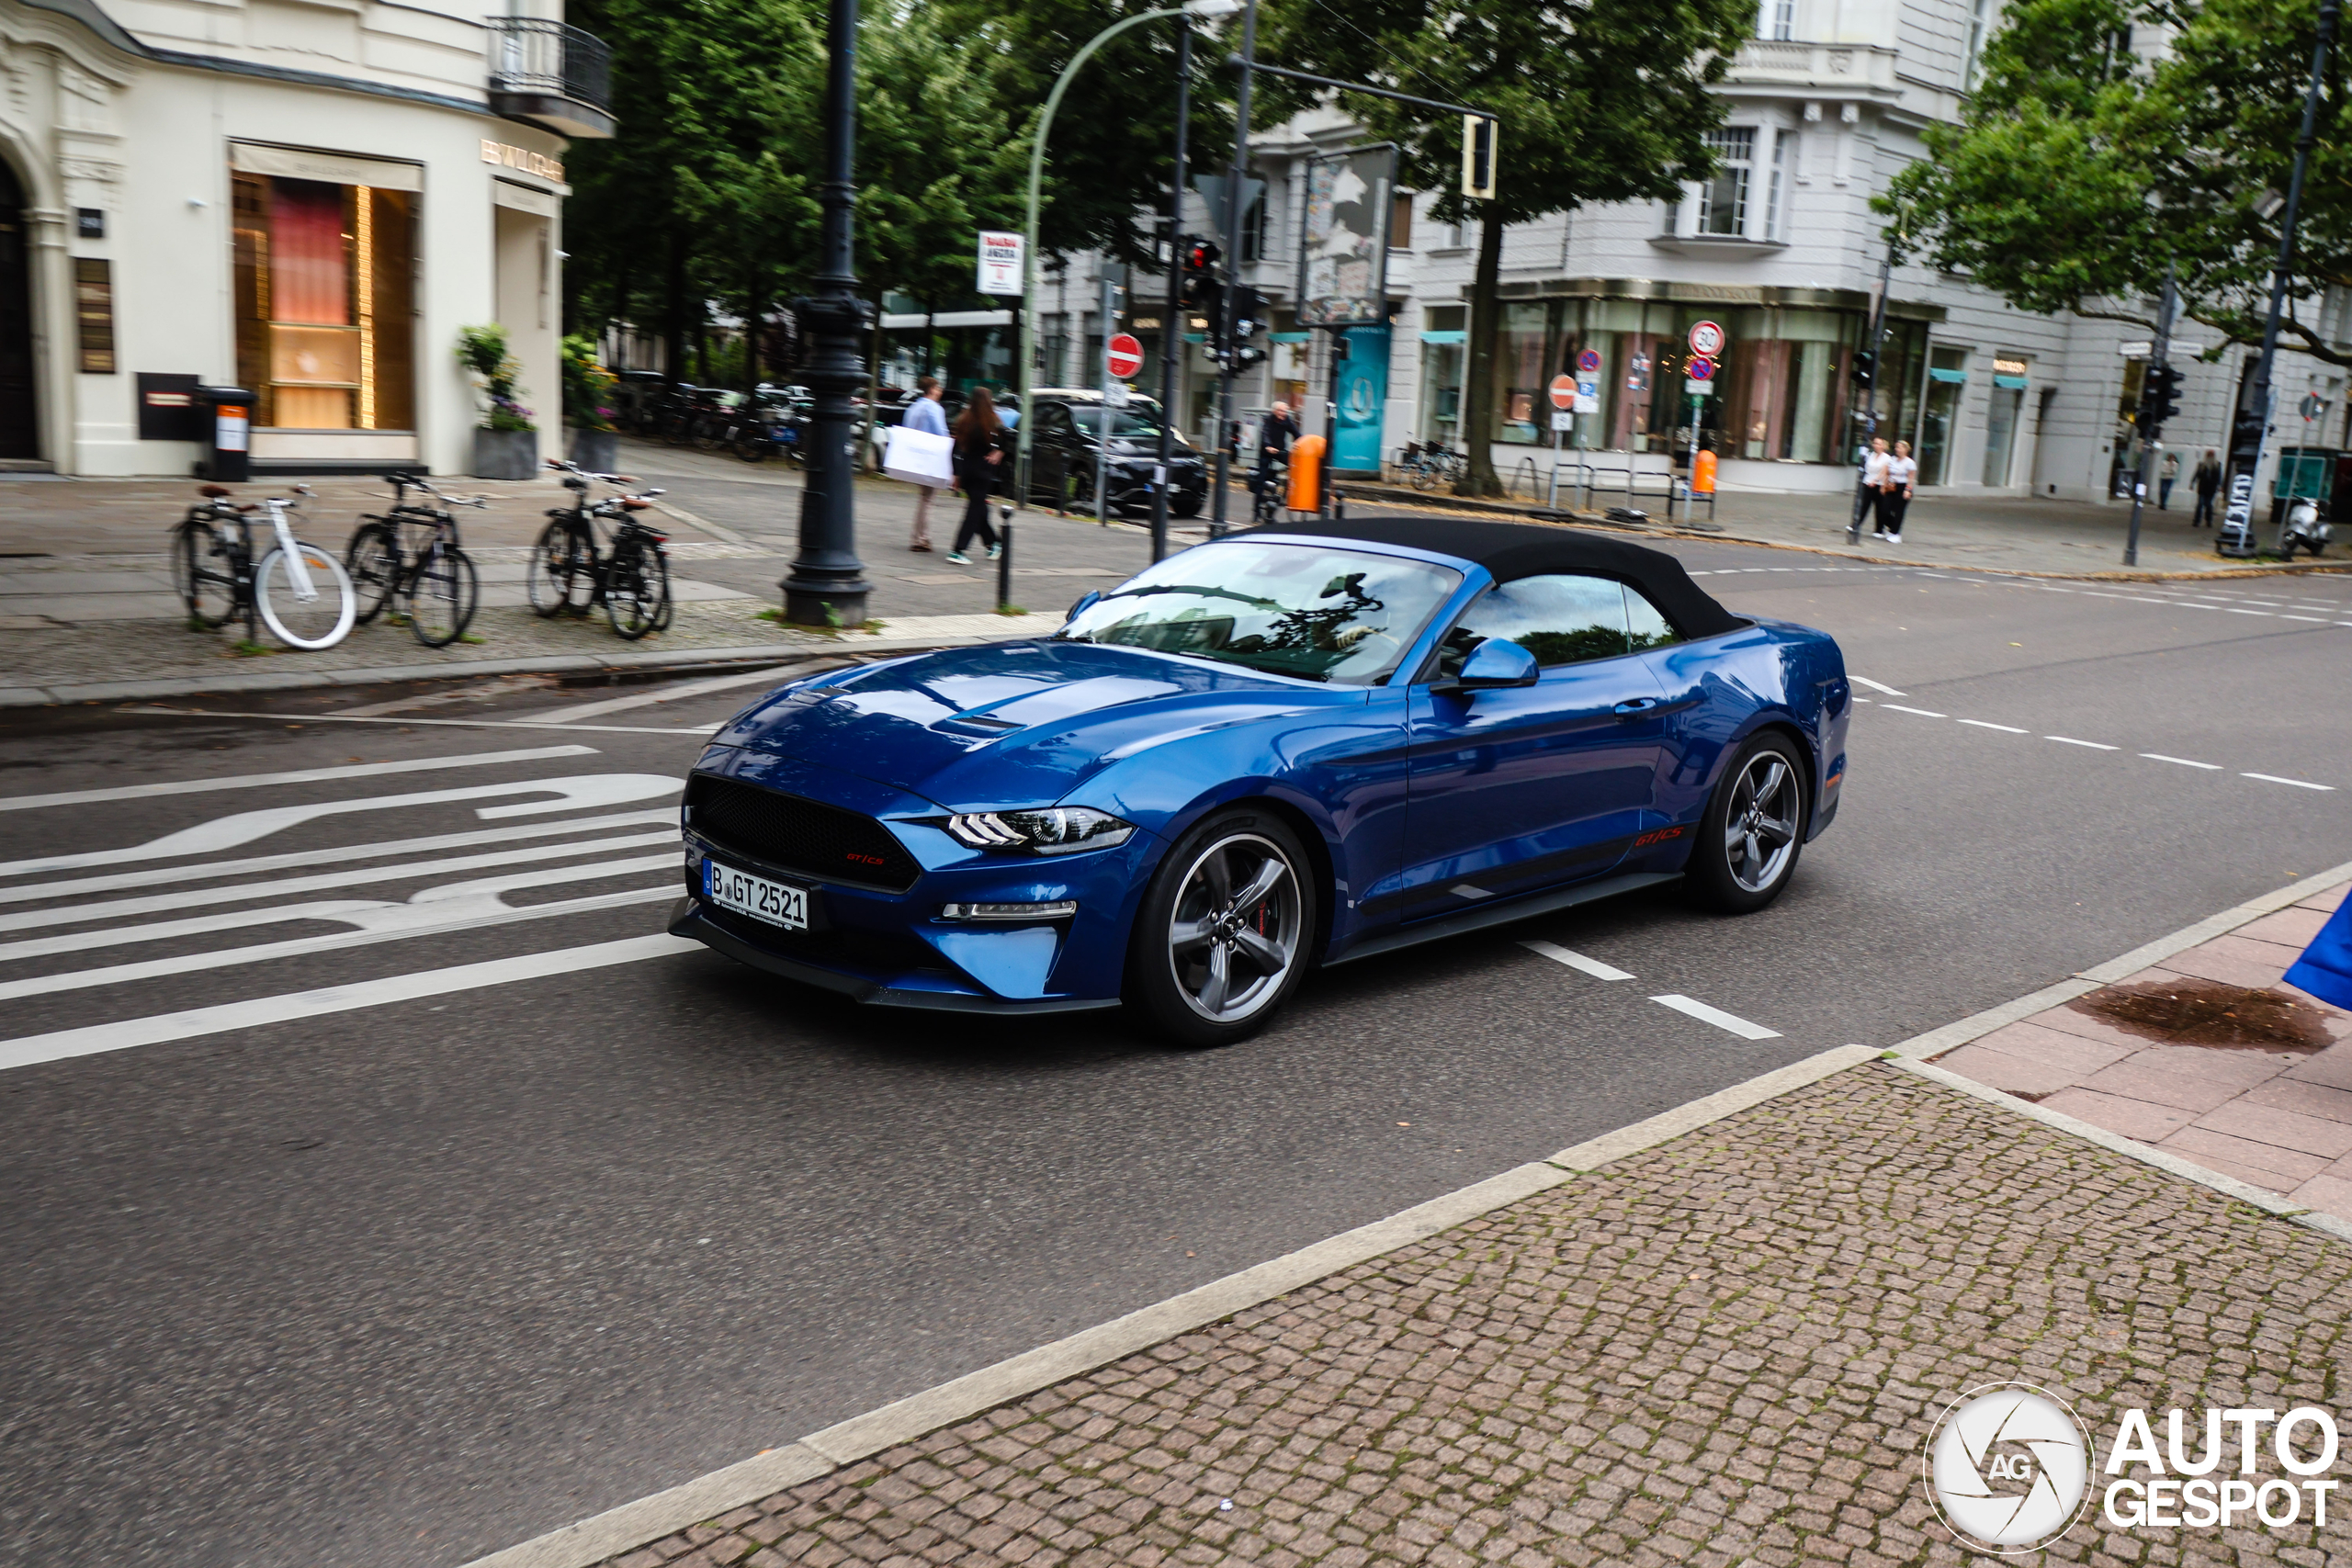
(1289, 337)
(1956, 378)
(1444, 338)
(2010, 383)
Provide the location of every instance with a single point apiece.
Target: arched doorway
(20, 434)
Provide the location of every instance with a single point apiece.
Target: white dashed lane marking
(2074, 741)
(1716, 1016)
(1575, 960)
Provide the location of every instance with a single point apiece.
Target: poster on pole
(1343, 250)
(1000, 262)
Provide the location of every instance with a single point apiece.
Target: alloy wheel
(1760, 827)
(1234, 936)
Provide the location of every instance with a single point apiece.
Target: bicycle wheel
(442, 596)
(372, 561)
(319, 619)
(560, 573)
(637, 589)
(204, 572)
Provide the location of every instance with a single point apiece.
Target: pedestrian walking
(927, 416)
(979, 468)
(2207, 482)
(2165, 478)
(1872, 486)
(1894, 493)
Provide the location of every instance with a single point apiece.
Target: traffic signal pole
(1171, 337)
(1247, 62)
(1870, 408)
(2236, 536)
(2155, 388)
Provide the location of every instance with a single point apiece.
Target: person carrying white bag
(920, 453)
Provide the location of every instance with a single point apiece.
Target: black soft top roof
(1511, 550)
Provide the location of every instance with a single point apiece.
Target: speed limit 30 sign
(1707, 340)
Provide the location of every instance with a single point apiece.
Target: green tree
(2081, 169)
(1600, 101)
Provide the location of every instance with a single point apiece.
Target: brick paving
(1724, 1351)
(2281, 1120)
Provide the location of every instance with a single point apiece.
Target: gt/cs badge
(1661, 836)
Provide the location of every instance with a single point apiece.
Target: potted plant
(506, 442)
(587, 398)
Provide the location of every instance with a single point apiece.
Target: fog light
(1054, 911)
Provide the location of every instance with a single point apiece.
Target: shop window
(2003, 414)
(1723, 197)
(1522, 371)
(1441, 358)
(1940, 413)
(325, 333)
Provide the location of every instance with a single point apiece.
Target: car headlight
(1054, 830)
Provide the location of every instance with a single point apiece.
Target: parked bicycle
(297, 590)
(411, 553)
(1428, 467)
(569, 574)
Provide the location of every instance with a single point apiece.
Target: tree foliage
(2083, 167)
(1600, 101)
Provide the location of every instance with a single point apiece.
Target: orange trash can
(1305, 473)
(1703, 473)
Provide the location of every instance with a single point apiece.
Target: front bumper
(897, 947)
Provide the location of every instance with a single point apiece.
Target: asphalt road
(410, 1281)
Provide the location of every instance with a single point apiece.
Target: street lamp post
(1036, 183)
(2236, 536)
(827, 585)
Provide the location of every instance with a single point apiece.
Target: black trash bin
(227, 434)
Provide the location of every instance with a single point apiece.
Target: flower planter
(505, 453)
(598, 451)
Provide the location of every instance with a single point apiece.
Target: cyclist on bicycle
(1275, 432)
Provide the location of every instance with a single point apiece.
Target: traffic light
(2159, 398)
(1200, 257)
(1479, 136)
(1249, 319)
(1865, 367)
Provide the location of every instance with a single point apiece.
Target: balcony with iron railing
(551, 75)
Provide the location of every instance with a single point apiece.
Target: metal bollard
(1004, 562)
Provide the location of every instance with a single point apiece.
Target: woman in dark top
(979, 468)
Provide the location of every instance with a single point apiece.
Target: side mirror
(1493, 665)
(1086, 600)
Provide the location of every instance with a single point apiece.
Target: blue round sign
(1702, 369)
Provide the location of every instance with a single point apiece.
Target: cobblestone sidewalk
(1724, 1351)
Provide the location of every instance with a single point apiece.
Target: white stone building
(307, 200)
(1783, 251)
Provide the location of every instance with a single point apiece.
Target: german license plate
(777, 903)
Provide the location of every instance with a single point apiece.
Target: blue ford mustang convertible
(1294, 746)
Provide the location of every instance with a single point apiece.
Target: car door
(1521, 788)
(1049, 455)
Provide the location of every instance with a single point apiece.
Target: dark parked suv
(1063, 449)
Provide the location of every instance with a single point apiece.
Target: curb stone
(603, 1536)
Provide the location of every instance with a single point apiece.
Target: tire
(637, 589)
(320, 621)
(1753, 830)
(1421, 477)
(1194, 940)
(441, 597)
(372, 561)
(557, 579)
(204, 572)
(1186, 506)
(751, 449)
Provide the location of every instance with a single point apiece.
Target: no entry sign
(1122, 357)
(1564, 391)
(1706, 340)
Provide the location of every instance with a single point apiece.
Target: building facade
(304, 200)
(1780, 249)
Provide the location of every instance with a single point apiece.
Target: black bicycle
(296, 589)
(1271, 488)
(411, 553)
(567, 574)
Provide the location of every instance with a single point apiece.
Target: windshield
(1130, 423)
(1318, 615)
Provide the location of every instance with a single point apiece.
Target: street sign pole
(1563, 397)
(1171, 333)
(1246, 61)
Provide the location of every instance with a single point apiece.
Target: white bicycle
(298, 590)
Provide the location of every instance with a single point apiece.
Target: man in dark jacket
(1275, 434)
(2208, 481)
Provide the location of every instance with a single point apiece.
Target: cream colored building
(306, 199)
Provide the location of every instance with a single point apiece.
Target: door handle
(1638, 706)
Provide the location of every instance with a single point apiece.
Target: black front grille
(799, 835)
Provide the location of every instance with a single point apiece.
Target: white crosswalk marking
(180, 903)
